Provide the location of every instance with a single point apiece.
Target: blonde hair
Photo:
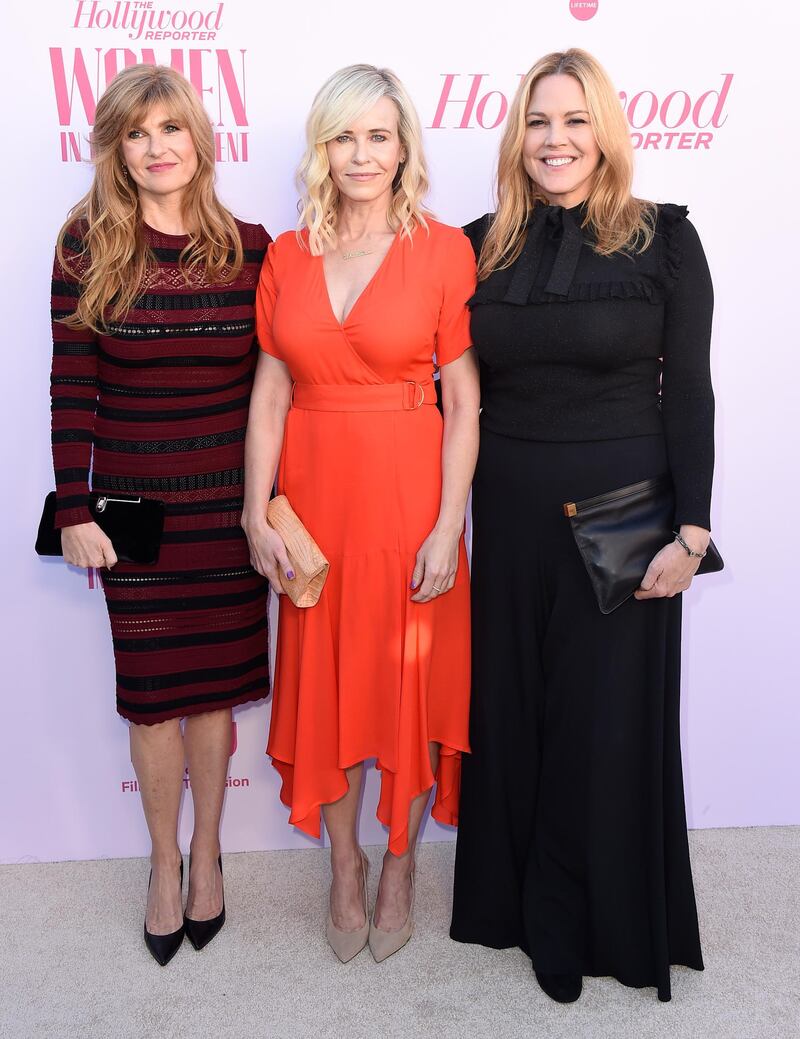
(115, 260)
(343, 98)
(619, 221)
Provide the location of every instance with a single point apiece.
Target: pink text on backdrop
(139, 19)
(80, 78)
(676, 120)
(130, 786)
(106, 65)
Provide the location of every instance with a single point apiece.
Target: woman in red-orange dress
(350, 314)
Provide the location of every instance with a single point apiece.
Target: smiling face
(560, 152)
(160, 154)
(364, 158)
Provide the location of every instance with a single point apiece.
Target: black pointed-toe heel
(200, 932)
(563, 988)
(163, 946)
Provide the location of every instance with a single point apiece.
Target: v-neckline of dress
(346, 317)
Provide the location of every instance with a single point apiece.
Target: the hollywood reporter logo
(131, 786)
(677, 119)
(81, 74)
(141, 19)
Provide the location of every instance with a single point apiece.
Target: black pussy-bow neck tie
(546, 222)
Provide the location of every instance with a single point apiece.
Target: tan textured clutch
(309, 564)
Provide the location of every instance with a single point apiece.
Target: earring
(124, 171)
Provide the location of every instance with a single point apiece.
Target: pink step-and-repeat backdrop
(711, 111)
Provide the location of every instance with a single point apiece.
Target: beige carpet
(72, 960)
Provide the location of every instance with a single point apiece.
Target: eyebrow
(164, 122)
(575, 111)
(378, 129)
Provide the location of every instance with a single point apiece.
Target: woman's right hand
(267, 552)
(85, 544)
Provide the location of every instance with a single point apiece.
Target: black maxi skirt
(572, 836)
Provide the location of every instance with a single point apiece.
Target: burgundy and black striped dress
(158, 407)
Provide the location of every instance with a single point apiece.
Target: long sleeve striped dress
(157, 405)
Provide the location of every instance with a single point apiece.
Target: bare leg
(207, 738)
(157, 756)
(347, 891)
(394, 891)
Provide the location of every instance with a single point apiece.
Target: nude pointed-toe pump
(385, 943)
(347, 944)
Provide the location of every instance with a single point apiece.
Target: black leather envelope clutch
(134, 524)
(619, 532)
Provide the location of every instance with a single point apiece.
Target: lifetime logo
(674, 120)
(583, 10)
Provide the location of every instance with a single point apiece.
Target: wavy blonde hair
(115, 261)
(618, 221)
(342, 99)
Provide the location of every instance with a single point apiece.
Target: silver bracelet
(689, 551)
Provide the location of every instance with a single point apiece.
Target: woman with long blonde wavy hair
(153, 353)
(592, 322)
(355, 310)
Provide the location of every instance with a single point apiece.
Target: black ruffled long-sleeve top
(578, 346)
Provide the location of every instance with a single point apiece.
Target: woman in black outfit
(592, 322)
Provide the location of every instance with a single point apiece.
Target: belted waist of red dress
(391, 396)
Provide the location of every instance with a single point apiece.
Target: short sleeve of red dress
(266, 295)
(459, 278)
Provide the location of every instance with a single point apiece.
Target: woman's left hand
(672, 569)
(437, 563)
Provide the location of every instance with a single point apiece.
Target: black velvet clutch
(135, 526)
(619, 532)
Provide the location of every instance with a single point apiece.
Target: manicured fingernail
(413, 584)
(290, 574)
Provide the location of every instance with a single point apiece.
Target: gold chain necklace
(357, 252)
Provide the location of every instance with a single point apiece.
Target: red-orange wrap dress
(367, 673)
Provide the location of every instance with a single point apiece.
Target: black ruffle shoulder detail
(557, 263)
(669, 237)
